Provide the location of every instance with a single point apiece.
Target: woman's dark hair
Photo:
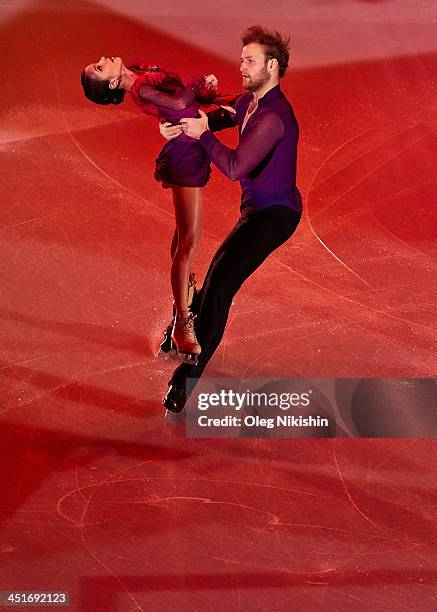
(98, 91)
(275, 46)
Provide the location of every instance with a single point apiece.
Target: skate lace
(193, 282)
(192, 289)
(187, 326)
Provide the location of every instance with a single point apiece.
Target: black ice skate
(176, 397)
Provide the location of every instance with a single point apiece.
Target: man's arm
(218, 119)
(253, 148)
(226, 115)
(221, 119)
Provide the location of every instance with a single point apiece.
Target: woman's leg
(174, 243)
(188, 211)
(250, 242)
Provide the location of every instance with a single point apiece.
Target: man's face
(253, 67)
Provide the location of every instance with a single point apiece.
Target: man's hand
(195, 127)
(170, 131)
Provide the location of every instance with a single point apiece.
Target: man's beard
(255, 83)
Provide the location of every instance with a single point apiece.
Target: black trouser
(251, 240)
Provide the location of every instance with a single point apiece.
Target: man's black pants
(251, 240)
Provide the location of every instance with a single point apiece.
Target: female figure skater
(182, 165)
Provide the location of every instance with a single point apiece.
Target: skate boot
(165, 346)
(176, 397)
(183, 339)
(192, 292)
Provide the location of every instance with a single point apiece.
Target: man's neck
(260, 93)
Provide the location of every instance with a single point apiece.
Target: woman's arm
(178, 100)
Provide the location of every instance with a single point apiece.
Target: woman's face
(106, 69)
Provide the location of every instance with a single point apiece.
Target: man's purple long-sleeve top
(265, 160)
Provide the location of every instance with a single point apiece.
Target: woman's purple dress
(183, 160)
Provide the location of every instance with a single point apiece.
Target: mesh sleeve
(255, 146)
(221, 119)
(182, 97)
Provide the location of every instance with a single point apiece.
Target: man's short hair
(275, 46)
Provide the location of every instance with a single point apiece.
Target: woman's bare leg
(174, 243)
(188, 204)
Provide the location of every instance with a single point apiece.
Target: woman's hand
(169, 131)
(230, 109)
(211, 81)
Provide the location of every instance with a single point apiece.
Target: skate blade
(163, 355)
(183, 357)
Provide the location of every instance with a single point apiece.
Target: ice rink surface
(101, 496)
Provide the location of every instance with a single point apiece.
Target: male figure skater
(265, 164)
